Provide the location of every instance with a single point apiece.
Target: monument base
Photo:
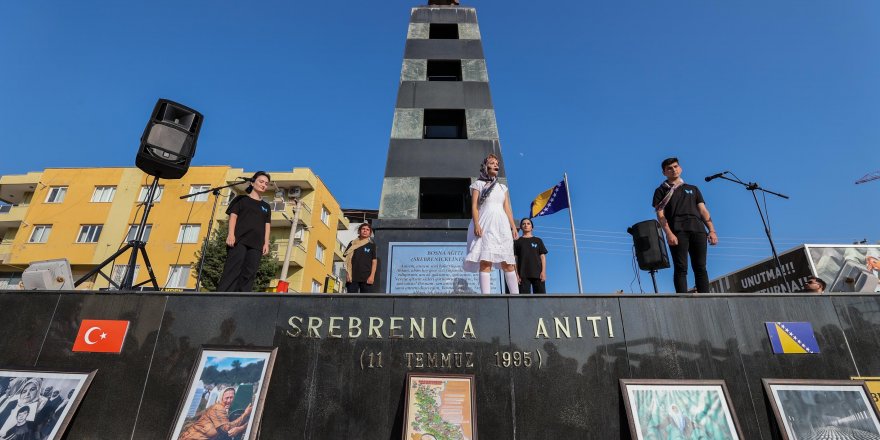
(423, 231)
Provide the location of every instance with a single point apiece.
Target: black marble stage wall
(322, 389)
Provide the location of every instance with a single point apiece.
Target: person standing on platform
(360, 262)
(492, 230)
(814, 285)
(531, 259)
(684, 218)
(250, 219)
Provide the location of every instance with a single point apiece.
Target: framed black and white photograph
(820, 409)
(225, 396)
(681, 409)
(38, 405)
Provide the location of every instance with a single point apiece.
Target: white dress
(496, 244)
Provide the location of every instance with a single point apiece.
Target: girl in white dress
(492, 229)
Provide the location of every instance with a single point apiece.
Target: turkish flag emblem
(101, 336)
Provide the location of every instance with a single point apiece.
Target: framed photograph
(657, 408)
(36, 404)
(873, 384)
(440, 407)
(226, 393)
(822, 409)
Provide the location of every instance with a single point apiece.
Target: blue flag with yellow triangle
(792, 337)
(550, 201)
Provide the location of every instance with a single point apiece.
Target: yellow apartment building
(87, 214)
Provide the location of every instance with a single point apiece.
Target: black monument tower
(443, 127)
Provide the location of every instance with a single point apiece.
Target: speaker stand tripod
(136, 246)
(654, 279)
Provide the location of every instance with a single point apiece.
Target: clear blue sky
(784, 92)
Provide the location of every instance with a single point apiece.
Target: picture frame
(687, 406)
(40, 403)
(437, 404)
(223, 384)
(873, 384)
(803, 407)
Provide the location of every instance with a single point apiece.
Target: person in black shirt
(248, 239)
(360, 262)
(682, 213)
(23, 429)
(531, 259)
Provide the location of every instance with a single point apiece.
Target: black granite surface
(324, 388)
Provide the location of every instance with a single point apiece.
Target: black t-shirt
(250, 227)
(682, 212)
(28, 431)
(362, 262)
(528, 253)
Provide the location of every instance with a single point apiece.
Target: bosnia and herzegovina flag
(550, 201)
(792, 337)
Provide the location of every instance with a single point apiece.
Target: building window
(132, 232)
(443, 31)
(40, 233)
(104, 194)
(316, 286)
(444, 124)
(319, 252)
(325, 215)
(56, 194)
(199, 188)
(142, 197)
(177, 276)
(119, 272)
(444, 70)
(89, 233)
(189, 233)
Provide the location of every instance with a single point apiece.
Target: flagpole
(577, 261)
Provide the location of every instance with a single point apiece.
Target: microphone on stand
(715, 176)
(246, 179)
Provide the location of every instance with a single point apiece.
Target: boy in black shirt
(248, 240)
(682, 213)
(531, 260)
(23, 430)
(360, 261)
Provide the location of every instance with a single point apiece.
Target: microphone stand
(755, 187)
(216, 192)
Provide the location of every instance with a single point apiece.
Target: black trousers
(532, 285)
(240, 270)
(359, 287)
(695, 245)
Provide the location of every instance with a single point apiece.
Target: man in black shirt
(682, 213)
(531, 260)
(360, 261)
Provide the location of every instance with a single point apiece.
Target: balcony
(338, 250)
(297, 255)
(14, 188)
(11, 216)
(282, 214)
(5, 250)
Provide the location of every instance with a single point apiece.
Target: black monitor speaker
(650, 248)
(169, 141)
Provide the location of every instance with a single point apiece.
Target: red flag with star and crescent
(101, 336)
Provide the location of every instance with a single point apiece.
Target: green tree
(215, 258)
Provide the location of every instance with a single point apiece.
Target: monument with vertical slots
(443, 127)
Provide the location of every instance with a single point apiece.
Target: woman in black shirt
(248, 239)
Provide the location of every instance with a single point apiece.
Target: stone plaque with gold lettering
(432, 267)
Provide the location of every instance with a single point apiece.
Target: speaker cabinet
(169, 141)
(650, 248)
